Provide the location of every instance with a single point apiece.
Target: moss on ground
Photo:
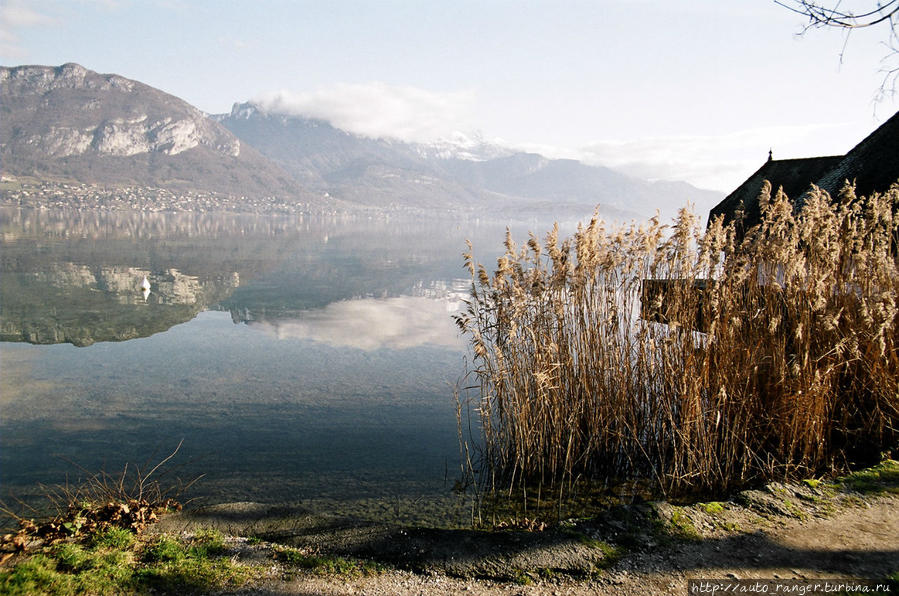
(811, 482)
(712, 507)
(611, 553)
(681, 526)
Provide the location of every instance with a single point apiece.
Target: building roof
(794, 176)
(873, 165)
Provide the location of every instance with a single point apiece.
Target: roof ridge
(807, 158)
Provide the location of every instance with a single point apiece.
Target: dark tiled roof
(793, 175)
(873, 165)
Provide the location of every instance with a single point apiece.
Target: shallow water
(300, 360)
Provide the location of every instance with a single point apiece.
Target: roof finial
(770, 155)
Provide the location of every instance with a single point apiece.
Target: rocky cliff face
(73, 111)
(70, 122)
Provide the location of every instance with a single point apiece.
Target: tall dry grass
(779, 357)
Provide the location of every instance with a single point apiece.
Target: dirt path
(841, 536)
(857, 542)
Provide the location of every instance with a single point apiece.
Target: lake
(300, 360)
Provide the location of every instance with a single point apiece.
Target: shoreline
(803, 530)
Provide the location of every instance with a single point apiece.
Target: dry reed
(779, 357)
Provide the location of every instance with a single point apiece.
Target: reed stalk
(777, 357)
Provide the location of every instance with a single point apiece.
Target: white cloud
(370, 324)
(15, 15)
(9, 48)
(722, 162)
(379, 110)
(715, 162)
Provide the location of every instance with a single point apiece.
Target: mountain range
(72, 124)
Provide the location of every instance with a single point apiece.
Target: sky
(696, 91)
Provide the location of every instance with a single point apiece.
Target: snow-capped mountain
(463, 171)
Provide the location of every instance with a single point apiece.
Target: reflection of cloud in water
(369, 324)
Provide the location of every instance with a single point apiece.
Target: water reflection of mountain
(74, 276)
(81, 304)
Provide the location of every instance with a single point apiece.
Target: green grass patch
(72, 569)
(165, 549)
(37, 575)
(208, 543)
(880, 479)
(546, 573)
(191, 574)
(326, 565)
(74, 557)
(112, 562)
(521, 578)
(190, 565)
(119, 538)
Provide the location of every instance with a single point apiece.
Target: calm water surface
(300, 360)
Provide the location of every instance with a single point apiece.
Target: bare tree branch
(820, 15)
(833, 15)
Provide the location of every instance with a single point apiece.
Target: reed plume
(764, 355)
